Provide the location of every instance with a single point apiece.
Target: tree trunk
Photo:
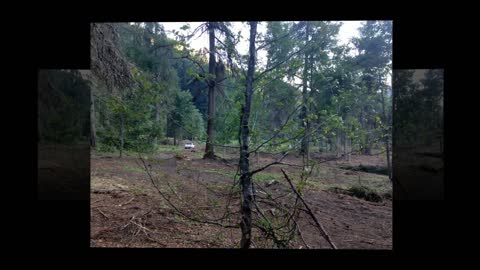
(244, 164)
(174, 136)
(338, 144)
(304, 150)
(389, 163)
(209, 150)
(367, 149)
(349, 146)
(387, 138)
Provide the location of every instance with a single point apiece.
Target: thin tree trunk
(244, 164)
(386, 140)
(368, 115)
(209, 150)
(304, 112)
(174, 136)
(329, 145)
(389, 163)
(350, 149)
(367, 150)
(338, 144)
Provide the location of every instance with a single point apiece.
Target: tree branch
(278, 161)
(310, 212)
(207, 221)
(278, 131)
(281, 62)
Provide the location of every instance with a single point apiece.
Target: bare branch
(267, 43)
(158, 46)
(281, 62)
(207, 221)
(196, 29)
(278, 161)
(237, 54)
(310, 212)
(194, 61)
(268, 230)
(301, 234)
(278, 131)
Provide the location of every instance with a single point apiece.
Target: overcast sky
(348, 30)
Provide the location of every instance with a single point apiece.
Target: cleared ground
(126, 211)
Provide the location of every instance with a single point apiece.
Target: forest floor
(127, 211)
(63, 171)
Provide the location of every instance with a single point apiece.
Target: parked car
(189, 145)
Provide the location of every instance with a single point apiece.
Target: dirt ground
(126, 211)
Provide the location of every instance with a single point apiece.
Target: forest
(309, 84)
(419, 134)
(292, 135)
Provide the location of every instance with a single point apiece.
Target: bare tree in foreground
(278, 224)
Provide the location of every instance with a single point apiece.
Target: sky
(348, 30)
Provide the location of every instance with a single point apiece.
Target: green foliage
(418, 106)
(185, 118)
(365, 193)
(170, 99)
(63, 107)
(140, 116)
(368, 169)
(169, 148)
(375, 44)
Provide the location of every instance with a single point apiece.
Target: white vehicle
(189, 145)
